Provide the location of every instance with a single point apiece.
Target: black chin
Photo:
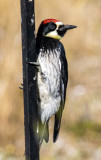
(61, 33)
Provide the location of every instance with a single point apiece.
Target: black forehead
(50, 24)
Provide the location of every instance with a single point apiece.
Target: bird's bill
(70, 27)
(66, 27)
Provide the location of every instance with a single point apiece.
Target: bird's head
(53, 28)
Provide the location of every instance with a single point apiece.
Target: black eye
(52, 26)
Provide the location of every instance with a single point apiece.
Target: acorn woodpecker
(52, 76)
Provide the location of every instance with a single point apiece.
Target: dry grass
(77, 140)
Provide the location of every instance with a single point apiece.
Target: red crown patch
(50, 20)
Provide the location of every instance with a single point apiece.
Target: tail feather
(43, 133)
(46, 133)
(57, 124)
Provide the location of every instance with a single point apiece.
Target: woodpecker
(52, 76)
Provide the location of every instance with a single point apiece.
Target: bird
(52, 76)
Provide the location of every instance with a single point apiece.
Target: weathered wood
(29, 80)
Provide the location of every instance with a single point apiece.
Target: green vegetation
(84, 128)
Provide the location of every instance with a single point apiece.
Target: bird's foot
(35, 64)
(22, 86)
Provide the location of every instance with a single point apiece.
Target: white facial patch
(58, 24)
(54, 34)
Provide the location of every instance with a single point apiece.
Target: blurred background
(80, 135)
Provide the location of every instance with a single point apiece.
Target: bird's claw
(34, 63)
(21, 86)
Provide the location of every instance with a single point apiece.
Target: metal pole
(29, 80)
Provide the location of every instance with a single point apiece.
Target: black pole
(29, 80)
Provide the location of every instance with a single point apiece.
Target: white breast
(49, 84)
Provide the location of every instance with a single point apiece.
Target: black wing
(63, 86)
(64, 76)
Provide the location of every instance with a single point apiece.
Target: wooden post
(29, 80)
